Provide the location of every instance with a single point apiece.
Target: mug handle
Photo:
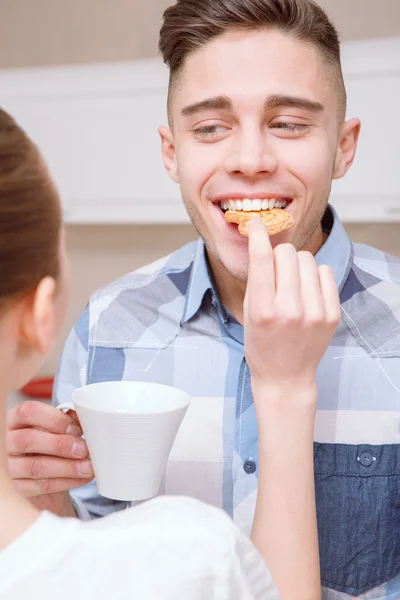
(66, 406)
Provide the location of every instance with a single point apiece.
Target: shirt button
(249, 466)
(366, 459)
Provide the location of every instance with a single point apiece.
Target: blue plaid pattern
(164, 323)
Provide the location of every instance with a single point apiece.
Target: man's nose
(251, 155)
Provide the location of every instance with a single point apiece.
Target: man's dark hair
(190, 24)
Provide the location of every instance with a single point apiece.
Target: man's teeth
(249, 205)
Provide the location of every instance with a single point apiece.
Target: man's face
(255, 116)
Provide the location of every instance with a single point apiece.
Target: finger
(330, 295)
(312, 301)
(36, 414)
(34, 441)
(48, 467)
(74, 416)
(261, 275)
(29, 488)
(288, 297)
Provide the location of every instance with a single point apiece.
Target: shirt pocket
(358, 512)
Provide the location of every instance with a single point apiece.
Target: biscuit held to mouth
(275, 220)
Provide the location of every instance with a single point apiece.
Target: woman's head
(33, 265)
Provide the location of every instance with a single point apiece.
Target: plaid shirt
(164, 323)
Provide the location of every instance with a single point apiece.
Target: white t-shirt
(166, 549)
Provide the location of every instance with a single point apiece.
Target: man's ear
(38, 317)
(168, 153)
(347, 147)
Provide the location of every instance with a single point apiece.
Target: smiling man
(256, 118)
(257, 123)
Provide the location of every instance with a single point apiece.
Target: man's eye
(291, 127)
(210, 130)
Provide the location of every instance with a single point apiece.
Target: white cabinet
(105, 156)
(97, 127)
(371, 189)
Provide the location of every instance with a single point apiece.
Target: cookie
(276, 220)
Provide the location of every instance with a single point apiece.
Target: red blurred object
(41, 387)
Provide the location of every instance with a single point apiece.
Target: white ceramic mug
(129, 427)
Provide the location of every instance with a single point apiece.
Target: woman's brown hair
(30, 214)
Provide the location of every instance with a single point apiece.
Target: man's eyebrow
(217, 102)
(273, 101)
(278, 101)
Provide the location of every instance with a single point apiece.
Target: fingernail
(79, 448)
(73, 430)
(85, 467)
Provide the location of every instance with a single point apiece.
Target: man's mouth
(253, 205)
(273, 212)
